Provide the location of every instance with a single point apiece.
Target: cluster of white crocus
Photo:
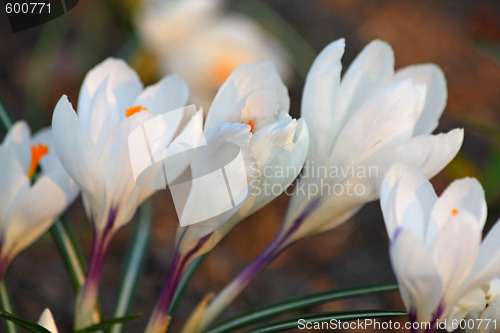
(435, 245)
(30, 201)
(196, 40)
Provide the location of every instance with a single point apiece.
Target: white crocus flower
(195, 39)
(250, 110)
(359, 127)
(29, 206)
(255, 101)
(487, 319)
(47, 321)
(435, 244)
(93, 145)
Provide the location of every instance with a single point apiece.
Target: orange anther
(134, 109)
(37, 152)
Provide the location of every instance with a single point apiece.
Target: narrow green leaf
(6, 120)
(70, 251)
(30, 326)
(293, 322)
(299, 303)
(108, 323)
(7, 306)
(136, 255)
(184, 283)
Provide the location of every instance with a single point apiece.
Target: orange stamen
(37, 152)
(134, 109)
(454, 211)
(249, 123)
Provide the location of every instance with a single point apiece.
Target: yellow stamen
(37, 152)
(222, 68)
(134, 109)
(454, 211)
(249, 123)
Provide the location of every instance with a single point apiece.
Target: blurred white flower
(47, 320)
(196, 40)
(359, 126)
(435, 244)
(29, 206)
(92, 147)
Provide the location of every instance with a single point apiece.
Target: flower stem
(86, 300)
(7, 306)
(284, 239)
(159, 320)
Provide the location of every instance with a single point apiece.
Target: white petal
(385, 120)
(455, 250)
(34, 214)
(122, 86)
(406, 198)
(243, 81)
(462, 195)
(473, 301)
(13, 182)
(77, 154)
(319, 100)
(432, 77)
(429, 153)
(19, 139)
(170, 93)
(418, 278)
(369, 73)
(487, 264)
(46, 320)
(122, 192)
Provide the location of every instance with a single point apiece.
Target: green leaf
(293, 322)
(63, 235)
(298, 303)
(108, 323)
(30, 326)
(5, 118)
(186, 277)
(7, 306)
(136, 255)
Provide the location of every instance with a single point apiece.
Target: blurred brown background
(461, 36)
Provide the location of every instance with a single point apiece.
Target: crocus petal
(122, 86)
(387, 119)
(18, 139)
(13, 182)
(369, 73)
(242, 82)
(406, 199)
(46, 320)
(169, 94)
(34, 214)
(462, 195)
(455, 250)
(72, 141)
(417, 275)
(472, 301)
(432, 78)
(121, 188)
(429, 153)
(319, 100)
(487, 264)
